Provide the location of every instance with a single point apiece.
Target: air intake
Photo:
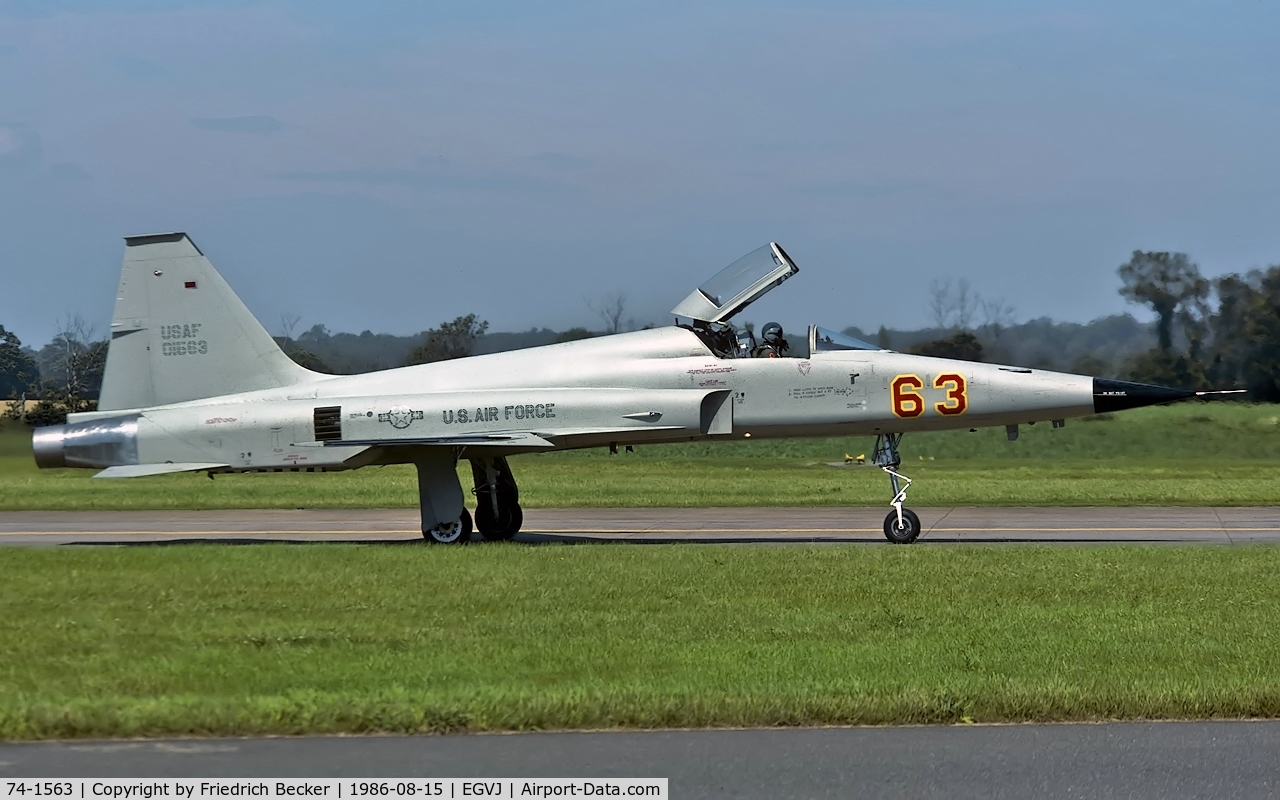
(328, 423)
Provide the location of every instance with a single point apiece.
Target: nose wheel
(902, 526)
(903, 529)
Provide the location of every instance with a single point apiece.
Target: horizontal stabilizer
(143, 470)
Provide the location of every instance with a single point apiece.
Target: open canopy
(738, 285)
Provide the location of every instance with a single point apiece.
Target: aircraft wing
(143, 470)
(508, 439)
(547, 419)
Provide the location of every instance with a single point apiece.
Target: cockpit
(711, 306)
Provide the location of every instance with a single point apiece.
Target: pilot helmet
(771, 333)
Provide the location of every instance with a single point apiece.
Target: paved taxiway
(1134, 760)
(779, 525)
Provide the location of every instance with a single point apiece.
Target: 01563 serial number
(182, 339)
(189, 348)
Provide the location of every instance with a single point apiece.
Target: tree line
(1219, 333)
(1222, 333)
(64, 376)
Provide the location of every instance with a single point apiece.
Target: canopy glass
(826, 341)
(738, 285)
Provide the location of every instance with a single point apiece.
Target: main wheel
(905, 532)
(504, 526)
(517, 519)
(456, 532)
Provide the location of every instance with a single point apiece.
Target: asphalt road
(1131, 760)
(654, 525)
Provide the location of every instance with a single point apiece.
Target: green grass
(1192, 454)
(206, 640)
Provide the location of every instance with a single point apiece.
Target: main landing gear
(444, 516)
(902, 526)
(498, 512)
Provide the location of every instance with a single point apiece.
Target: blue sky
(390, 165)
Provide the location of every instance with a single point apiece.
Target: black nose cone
(1109, 395)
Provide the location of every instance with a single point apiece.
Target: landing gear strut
(498, 512)
(444, 518)
(902, 526)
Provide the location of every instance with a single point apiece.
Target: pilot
(773, 345)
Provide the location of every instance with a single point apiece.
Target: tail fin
(180, 333)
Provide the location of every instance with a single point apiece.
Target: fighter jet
(194, 383)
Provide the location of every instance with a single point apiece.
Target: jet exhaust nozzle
(47, 446)
(95, 444)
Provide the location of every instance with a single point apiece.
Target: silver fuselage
(660, 385)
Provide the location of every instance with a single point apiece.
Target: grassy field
(1191, 454)
(282, 639)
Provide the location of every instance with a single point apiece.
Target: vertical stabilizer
(179, 332)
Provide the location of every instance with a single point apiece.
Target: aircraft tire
(510, 518)
(906, 534)
(461, 535)
(517, 519)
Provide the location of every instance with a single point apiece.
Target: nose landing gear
(902, 526)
